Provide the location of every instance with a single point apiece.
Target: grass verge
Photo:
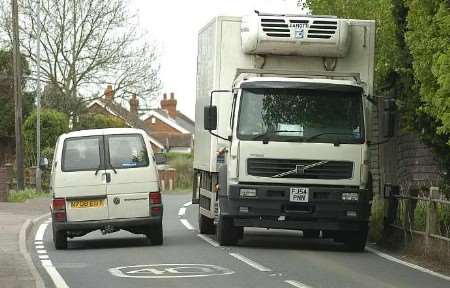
(22, 196)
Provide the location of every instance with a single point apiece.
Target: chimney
(109, 94)
(134, 105)
(170, 105)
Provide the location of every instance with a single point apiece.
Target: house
(169, 129)
(170, 126)
(107, 106)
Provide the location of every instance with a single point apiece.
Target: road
(264, 258)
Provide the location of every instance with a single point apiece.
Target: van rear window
(81, 154)
(127, 151)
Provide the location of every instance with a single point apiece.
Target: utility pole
(17, 63)
(38, 97)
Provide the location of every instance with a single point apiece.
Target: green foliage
(22, 196)
(98, 121)
(7, 95)
(183, 164)
(53, 124)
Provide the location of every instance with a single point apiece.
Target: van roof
(106, 131)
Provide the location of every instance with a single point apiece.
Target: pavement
(16, 269)
(264, 258)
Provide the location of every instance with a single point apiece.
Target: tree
(7, 96)
(89, 43)
(98, 121)
(53, 124)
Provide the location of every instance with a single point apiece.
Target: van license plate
(299, 194)
(87, 203)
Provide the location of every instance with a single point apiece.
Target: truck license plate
(299, 194)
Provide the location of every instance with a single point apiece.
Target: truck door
(132, 175)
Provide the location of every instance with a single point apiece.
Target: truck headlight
(247, 193)
(350, 196)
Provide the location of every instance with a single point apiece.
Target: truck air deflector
(301, 85)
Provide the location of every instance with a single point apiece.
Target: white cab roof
(107, 131)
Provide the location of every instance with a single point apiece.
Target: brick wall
(160, 126)
(4, 184)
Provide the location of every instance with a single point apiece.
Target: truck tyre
(205, 224)
(227, 233)
(59, 239)
(356, 241)
(314, 234)
(155, 234)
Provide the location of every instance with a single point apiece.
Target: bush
(183, 164)
(98, 121)
(377, 220)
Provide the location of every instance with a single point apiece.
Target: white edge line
(296, 284)
(40, 232)
(187, 224)
(182, 211)
(410, 265)
(56, 277)
(187, 204)
(251, 263)
(209, 240)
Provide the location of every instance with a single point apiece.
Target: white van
(105, 179)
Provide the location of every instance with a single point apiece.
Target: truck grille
(264, 167)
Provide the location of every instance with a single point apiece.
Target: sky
(173, 26)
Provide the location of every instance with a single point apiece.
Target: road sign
(162, 271)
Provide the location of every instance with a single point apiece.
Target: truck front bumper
(272, 208)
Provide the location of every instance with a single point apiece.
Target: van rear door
(133, 175)
(82, 179)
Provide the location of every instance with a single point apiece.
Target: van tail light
(155, 203)
(59, 209)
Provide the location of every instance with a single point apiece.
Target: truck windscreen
(293, 114)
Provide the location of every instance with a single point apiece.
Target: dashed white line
(182, 211)
(40, 247)
(187, 204)
(410, 265)
(38, 242)
(41, 251)
(40, 232)
(187, 224)
(250, 262)
(43, 256)
(296, 284)
(209, 240)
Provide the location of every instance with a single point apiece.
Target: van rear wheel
(156, 235)
(59, 239)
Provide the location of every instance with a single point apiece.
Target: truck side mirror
(210, 118)
(43, 163)
(389, 118)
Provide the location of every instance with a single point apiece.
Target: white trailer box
(221, 52)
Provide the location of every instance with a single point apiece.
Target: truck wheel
(156, 234)
(314, 234)
(227, 233)
(205, 224)
(59, 239)
(356, 241)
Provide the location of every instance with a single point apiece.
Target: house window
(153, 120)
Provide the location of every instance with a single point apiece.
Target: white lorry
(282, 115)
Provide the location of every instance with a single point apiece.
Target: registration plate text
(87, 203)
(299, 194)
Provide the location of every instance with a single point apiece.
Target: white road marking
(187, 224)
(410, 265)
(296, 284)
(45, 261)
(209, 240)
(187, 204)
(40, 232)
(182, 211)
(250, 262)
(40, 247)
(164, 271)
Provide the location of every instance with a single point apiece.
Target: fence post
(431, 223)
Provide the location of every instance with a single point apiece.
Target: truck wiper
(326, 133)
(270, 132)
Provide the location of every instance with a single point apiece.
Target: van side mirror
(43, 163)
(160, 158)
(210, 118)
(389, 118)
